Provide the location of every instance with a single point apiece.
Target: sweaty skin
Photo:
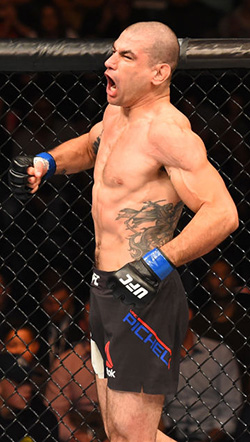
(147, 164)
(142, 181)
(135, 206)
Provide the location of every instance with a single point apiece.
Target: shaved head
(161, 43)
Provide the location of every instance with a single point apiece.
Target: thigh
(133, 416)
(114, 404)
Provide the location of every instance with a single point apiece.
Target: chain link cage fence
(53, 91)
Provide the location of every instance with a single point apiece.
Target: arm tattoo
(96, 143)
(162, 218)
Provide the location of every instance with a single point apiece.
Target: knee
(113, 433)
(120, 431)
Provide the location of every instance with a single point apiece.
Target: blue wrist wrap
(52, 164)
(158, 263)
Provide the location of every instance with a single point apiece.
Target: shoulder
(95, 136)
(174, 141)
(97, 130)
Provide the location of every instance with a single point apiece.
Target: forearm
(73, 156)
(208, 228)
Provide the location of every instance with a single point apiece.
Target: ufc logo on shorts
(136, 289)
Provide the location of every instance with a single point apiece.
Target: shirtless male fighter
(148, 164)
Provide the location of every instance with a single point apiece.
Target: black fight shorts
(138, 349)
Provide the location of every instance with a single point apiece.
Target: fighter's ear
(161, 73)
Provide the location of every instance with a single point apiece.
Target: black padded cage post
(51, 91)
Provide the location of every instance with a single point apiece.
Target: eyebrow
(124, 52)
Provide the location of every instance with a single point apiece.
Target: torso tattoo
(163, 219)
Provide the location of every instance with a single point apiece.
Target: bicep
(200, 184)
(88, 145)
(185, 158)
(77, 154)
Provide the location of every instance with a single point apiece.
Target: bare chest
(124, 158)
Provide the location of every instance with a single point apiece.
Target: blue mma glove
(137, 282)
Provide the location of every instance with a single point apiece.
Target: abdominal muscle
(127, 226)
(135, 207)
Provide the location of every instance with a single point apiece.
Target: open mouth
(111, 86)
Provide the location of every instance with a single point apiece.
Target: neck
(145, 105)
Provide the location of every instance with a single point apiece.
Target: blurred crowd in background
(47, 246)
(107, 18)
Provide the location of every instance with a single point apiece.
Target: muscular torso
(135, 207)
